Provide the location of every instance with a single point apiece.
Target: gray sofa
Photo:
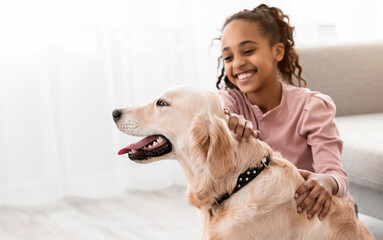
(353, 76)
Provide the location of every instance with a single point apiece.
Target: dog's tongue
(142, 143)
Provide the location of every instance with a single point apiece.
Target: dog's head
(183, 123)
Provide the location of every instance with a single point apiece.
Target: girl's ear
(278, 51)
(214, 144)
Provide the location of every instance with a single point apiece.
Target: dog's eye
(162, 103)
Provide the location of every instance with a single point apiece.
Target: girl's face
(249, 60)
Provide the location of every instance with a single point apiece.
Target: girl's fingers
(319, 197)
(226, 111)
(306, 186)
(310, 198)
(326, 208)
(319, 202)
(304, 173)
(256, 134)
(240, 126)
(248, 129)
(233, 122)
(239, 130)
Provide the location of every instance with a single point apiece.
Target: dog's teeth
(145, 148)
(149, 146)
(133, 151)
(130, 152)
(160, 140)
(155, 144)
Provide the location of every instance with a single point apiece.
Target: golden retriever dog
(243, 188)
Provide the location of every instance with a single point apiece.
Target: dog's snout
(116, 114)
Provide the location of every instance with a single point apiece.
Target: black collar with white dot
(245, 178)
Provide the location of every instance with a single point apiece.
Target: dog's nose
(116, 114)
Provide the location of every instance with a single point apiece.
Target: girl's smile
(249, 59)
(251, 62)
(244, 77)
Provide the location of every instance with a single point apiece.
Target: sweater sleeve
(317, 124)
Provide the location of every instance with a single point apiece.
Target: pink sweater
(302, 128)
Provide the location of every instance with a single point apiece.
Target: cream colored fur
(212, 159)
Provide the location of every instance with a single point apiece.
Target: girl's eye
(162, 103)
(228, 58)
(248, 51)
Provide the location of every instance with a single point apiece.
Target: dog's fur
(212, 159)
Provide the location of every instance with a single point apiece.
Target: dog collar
(244, 179)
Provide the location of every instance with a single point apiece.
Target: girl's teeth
(244, 75)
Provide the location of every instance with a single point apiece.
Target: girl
(259, 62)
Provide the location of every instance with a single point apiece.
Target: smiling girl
(260, 65)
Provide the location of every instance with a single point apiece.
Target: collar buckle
(266, 161)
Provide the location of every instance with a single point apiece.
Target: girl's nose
(239, 62)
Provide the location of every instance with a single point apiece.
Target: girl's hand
(320, 188)
(240, 126)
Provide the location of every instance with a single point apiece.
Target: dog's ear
(212, 141)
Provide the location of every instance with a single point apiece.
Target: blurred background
(65, 65)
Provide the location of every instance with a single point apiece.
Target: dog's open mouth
(151, 146)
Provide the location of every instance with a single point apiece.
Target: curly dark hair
(274, 25)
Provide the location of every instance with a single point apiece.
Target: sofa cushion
(363, 148)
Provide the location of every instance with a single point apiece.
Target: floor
(136, 215)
